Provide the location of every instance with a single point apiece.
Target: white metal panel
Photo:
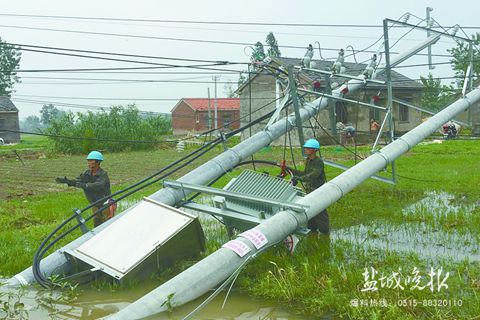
(124, 244)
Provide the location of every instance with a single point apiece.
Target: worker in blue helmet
(312, 177)
(96, 185)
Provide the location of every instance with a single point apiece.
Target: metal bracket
(343, 99)
(342, 75)
(276, 114)
(296, 106)
(81, 220)
(235, 195)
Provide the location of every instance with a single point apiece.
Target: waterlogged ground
(425, 231)
(39, 304)
(379, 233)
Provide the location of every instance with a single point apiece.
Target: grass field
(392, 229)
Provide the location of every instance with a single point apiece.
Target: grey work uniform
(96, 187)
(313, 177)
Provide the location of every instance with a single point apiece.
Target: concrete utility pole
(215, 102)
(214, 269)
(57, 262)
(209, 112)
(429, 22)
(217, 267)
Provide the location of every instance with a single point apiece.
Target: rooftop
(202, 104)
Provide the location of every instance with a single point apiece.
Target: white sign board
(129, 240)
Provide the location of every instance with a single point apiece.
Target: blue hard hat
(95, 155)
(312, 143)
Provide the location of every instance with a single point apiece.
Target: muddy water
(421, 234)
(94, 304)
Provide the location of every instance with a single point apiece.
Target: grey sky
(314, 12)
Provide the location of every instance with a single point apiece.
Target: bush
(120, 128)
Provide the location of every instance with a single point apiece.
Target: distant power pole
(215, 102)
(429, 21)
(209, 110)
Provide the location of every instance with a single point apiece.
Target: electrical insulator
(308, 56)
(371, 67)
(337, 66)
(455, 29)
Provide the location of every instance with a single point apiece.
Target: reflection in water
(420, 238)
(424, 238)
(439, 204)
(93, 304)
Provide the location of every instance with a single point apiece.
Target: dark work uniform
(313, 177)
(96, 187)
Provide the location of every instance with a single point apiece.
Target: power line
(209, 22)
(103, 98)
(129, 61)
(186, 80)
(159, 38)
(121, 54)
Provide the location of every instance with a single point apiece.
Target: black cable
(40, 254)
(92, 139)
(207, 22)
(21, 45)
(129, 80)
(41, 251)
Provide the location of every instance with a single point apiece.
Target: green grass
(28, 143)
(325, 274)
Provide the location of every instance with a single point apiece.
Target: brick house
(193, 114)
(9, 121)
(263, 90)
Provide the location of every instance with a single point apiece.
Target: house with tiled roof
(9, 121)
(257, 95)
(198, 114)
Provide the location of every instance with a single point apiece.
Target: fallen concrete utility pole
(57, 262)
(217, 267)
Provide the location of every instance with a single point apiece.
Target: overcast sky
(143, 38)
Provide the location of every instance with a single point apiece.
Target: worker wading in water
(312, 178)
(96, 185)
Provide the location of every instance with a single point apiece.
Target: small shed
(9, 123)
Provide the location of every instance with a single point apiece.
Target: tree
(48, 113)
(9, 62)
(461, 58)
(258, 53)
(273, 51)
(436, 96)
(31, 124)
(242, 78)
(229, 90)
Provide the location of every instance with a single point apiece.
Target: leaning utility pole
(221, 264)
(57, 262)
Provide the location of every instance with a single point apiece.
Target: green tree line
(106, 130)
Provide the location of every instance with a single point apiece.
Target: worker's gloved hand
(71, 183)
(294, 181)
(80, 184)
(61, 180)
(281, 175)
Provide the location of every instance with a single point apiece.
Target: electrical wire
(203, 21)
(22, 45)
(136, 187)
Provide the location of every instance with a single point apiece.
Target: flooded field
(421, 232)
(436, 229)
(28, 303)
